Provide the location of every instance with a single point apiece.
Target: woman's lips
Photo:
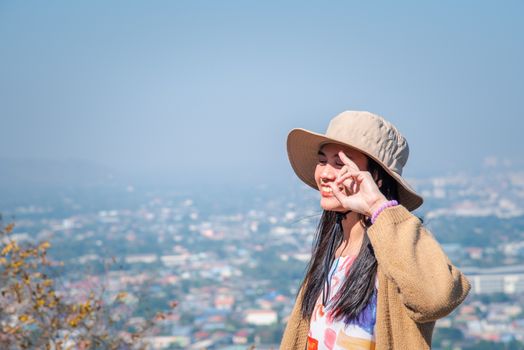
(326, 191)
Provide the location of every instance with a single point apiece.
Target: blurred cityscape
(233, 260)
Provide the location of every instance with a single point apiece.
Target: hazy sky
(207, 90)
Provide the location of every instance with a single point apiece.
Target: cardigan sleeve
(430, 286)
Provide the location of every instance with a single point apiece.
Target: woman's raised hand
(360, 194)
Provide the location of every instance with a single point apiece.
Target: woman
(377, 279)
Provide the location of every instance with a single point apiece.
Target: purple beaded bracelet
(385, 205)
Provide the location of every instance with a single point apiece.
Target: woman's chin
(331, 204)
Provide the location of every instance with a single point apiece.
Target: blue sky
(206, 91)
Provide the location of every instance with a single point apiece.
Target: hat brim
(302, 149)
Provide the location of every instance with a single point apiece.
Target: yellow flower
(40, 302)
(47, 283)
(85, 308)
(8, 248)
(44, 245)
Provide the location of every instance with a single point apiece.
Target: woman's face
(328, 166)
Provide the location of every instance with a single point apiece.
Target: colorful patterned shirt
(325, 333)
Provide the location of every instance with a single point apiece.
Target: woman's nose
(328, 173)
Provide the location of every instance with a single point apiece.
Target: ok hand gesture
(361, 194)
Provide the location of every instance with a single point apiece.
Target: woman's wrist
(379, 206)
(376, 204)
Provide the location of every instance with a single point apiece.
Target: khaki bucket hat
(366, 132)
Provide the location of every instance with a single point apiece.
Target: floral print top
(325, 333)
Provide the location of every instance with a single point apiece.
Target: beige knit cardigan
(417, 284)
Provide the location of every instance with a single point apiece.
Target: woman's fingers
(341, 196)
(348, 184)
(341, 178)
(357, 175)
(343, 170)
(348, 161)
(347, 201)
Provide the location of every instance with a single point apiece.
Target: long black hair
(359, 287)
